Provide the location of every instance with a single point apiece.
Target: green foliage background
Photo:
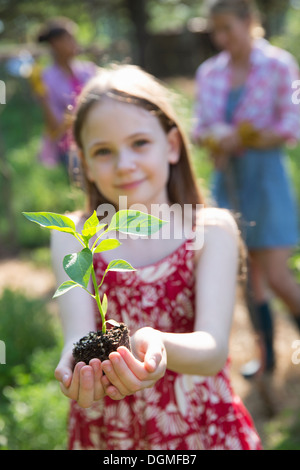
(33, 413)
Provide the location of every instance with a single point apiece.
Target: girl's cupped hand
(125, 372)
(81, 383)
(128, 372)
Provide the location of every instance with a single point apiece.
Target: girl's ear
(85, 166)
(174, 139)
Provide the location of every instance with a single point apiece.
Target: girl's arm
(56, 129)
(286, 126)
(204, 351)
(233, 143)
(287, 119)
(268, 139)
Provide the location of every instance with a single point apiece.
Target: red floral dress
(180, 412)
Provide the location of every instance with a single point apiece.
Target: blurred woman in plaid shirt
(245, 115)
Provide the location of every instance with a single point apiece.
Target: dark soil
(99, 345)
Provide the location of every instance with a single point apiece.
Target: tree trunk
(138, 15)
(273, 14)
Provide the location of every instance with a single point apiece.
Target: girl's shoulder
(212, 65)
(78, 217)
(214, 220)
(215, 228)
(51, 73)
(273, 56)
(215, 217)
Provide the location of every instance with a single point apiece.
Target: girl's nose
(126, 161)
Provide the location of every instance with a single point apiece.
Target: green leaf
(109, 244)
(104, 304)
(51, 220)
(91, 221)
(87, 234)
(135, 222)
(91, 226)
(119, 265)
(65, 287)
(78, 266)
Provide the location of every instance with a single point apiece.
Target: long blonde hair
(130, 84)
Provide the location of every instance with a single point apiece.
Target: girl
(59, 85)
(244, 104)
(174, 391)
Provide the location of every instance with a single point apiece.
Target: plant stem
(97, 239)
(97, 297)
(77, 236)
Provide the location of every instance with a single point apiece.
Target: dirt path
(284, 384)
(21, 275)
(276, 410)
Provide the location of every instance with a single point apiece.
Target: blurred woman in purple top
(57, 87)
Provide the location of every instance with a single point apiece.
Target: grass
(284, 431)
(33, 412)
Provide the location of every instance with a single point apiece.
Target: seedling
(79, 266)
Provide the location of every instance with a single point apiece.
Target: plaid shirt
(267, 102)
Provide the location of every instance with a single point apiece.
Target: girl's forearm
(55, 128)
(194, 353)
(49, 117)
(269, 139)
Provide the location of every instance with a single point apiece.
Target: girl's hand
(232, 142)
(220, 160)
(82, 384)
(126, 374)
(229, 145)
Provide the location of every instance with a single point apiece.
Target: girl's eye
(140, 143)
(102, 152)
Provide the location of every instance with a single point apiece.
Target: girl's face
(64, 46)
(127, 153)
(230, 32)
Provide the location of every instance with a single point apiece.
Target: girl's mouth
(130, 185)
